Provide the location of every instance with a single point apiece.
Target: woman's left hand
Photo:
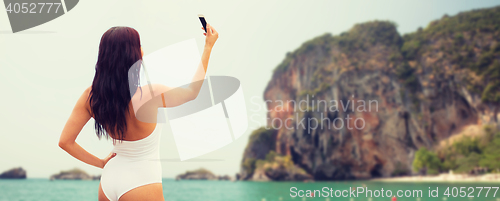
(105, 160)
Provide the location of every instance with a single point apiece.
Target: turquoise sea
(44, 189)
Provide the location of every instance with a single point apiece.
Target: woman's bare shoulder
(87, 91)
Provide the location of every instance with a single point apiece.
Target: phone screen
(203, 22)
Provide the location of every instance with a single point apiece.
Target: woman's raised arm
(179, 96)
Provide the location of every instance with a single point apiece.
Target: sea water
(192, 190)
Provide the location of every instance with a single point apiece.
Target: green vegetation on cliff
(427, 161)
(358, 38)
(454, 35)
(463, 155)
(280, 168)
(263, 140)
(482, 20)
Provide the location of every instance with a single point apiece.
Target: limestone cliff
(401, 93)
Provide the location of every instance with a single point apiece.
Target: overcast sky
(45, 69)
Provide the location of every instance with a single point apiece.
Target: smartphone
(203, 22)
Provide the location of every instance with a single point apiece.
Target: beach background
(46, 68)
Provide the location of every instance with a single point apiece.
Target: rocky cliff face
(358, 105)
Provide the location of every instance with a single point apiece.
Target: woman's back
(137, 129)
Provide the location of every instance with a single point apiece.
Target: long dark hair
(119, 50)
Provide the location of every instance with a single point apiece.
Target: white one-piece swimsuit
(137, 163)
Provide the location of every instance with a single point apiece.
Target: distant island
(14, 173)
(201, 174)
(74, 174)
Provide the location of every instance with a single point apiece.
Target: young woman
(132, 171)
